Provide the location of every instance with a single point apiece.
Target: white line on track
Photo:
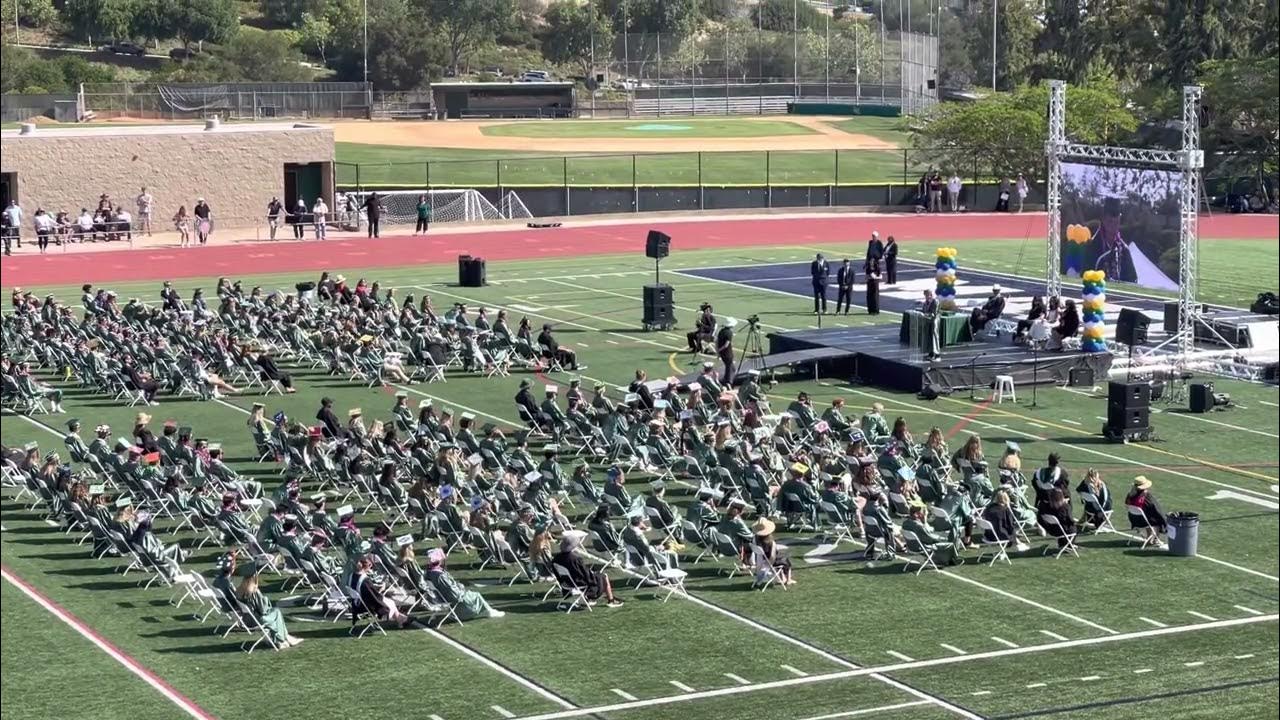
(1201, 615)
(900, 656)
(622, 694)
(1054, 635)
(1149, 621)
(1241, 428)
(952, 648)
(1004, 642)
(681, 686)
(738, 679)
(1037, 425)
(1249, 610)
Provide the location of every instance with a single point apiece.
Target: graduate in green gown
(469, 602)
(271, 618)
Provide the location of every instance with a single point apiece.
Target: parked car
(181, 54)
(535, 76)
(123, 47)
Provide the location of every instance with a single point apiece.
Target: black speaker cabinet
(1122, 420)
(657, 245)
(471, 271)
(659, 306)
(1080, 377)
(1129, 394)
(1131, 327)
(1201, 397)
(1171, 315)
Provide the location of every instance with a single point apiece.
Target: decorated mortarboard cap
(401, 394)
(630, 398)
(708, 365)
(906, 473)
(319, 497)
(290, 517)
(1012, 446)
(657, 484)
(97, 489)
(468, 416)
(599, 385)
(686, 414)
(533, 476)
(346, 511)
(124, 502)
(474, 459)
(152, 458)
(33, 445)
(403, 540)
(447, 445)
(552, 389)
(738, 502)
(753, 372)
(424, 403)
(799, 468)
(552, 448)
(821, 426)
(760, 433)
(574, 382)
(102, 429)
(73, 423)
(694, 387)
(214, 447)
(661, 404)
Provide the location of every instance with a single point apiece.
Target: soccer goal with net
(464, 205)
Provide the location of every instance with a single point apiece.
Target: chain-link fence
(233, 101)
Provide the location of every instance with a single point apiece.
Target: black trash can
(1184, 533)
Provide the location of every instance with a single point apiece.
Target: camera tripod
(752, 347)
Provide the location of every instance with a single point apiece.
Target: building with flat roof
(236, 168)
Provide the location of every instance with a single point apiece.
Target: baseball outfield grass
(648, 128)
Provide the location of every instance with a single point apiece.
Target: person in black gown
(891, 261)
(872, 272)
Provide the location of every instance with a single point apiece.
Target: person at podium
(929, 314)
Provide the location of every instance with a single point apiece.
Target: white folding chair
(839, 523)
(1146, 531)
(917, 549)
(1057, 531)
(989, 539)
(765, 573)
(571, 596)
(1094, 507)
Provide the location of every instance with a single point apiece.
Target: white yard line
(622, 694)
(1054, 635)
(1245, 656)
(1249, 610)
(900, 656)
(133, 666)
(1194, 663)
(794, 671)
(1004, 642)
(681, 686)
(1201, 615)
(509, 674)
(1241, 428)
(868, 711)
(1156, 623)
(1032, 603)
(1090, 678)
(1142, 671)
(952, 648)
(738, 679)
(1032, 686)
(899, 667)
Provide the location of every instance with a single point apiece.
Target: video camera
(753, 320)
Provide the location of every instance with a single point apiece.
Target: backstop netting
(465, 205)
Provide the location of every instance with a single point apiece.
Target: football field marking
(738, 679)
(681, 686)
(898, 667)
(900, 656)
(1201, 615)
(502, 711)
(133, 666)
(1156, 623)
(622, 694)
(868, 711)
(794, 671)
(952, 648)
(1249, 610)
(1004, 642)
(1054, 635)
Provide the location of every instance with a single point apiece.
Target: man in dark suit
(724, 348)
(992, 309)
(891, 262)
(819, 272)
(875, 248)
(844, 285)
(703, 331)
(525, 399)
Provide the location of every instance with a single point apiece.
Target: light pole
(365, 32)
(795, 46)
(995, 7)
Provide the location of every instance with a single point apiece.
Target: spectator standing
(124, 221)
(13, 214)
(320, 215)
(1023, 188)
(1002, 199)
(5, 235)
(373, 211)
(298, 218)
(954, 185)
(891, 261)
(43, 223)
(182, 222)
(935, 192)
(274, 209)
(204, 220)
(424, 215)
(145, 202)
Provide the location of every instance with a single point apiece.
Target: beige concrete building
(236, 168)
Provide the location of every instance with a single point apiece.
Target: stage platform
(874, 356)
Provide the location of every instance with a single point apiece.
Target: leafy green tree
(465, 24)
(1242, 102)
(24, 72)
(402, 53)
(1015, 34)
(1005, 132)
(251, 56)
(315, 35)
(101, 20)
(32, 13)
(784, 15)
(955, 58)
(573, 30)
(289, 13)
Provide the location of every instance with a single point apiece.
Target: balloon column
(1094, 294)
(946, 277)
(1075, 250)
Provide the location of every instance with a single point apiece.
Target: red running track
(239, 259)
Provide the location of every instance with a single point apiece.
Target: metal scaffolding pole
(1189, 216)
(1053, 191)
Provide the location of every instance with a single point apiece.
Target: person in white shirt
(1023, 188)
(84, 226)
(124, 221)
(953, 192)
(320, 213)
(43, 223)
(14, 214)
(145, 202)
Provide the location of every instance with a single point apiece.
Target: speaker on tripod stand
(659, 298)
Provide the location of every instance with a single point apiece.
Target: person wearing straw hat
(355, 424)
(592, 580)
(1140, 496)
(768, 556)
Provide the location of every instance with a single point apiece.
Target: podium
(953, 329)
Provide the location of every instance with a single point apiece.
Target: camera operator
(704, 329)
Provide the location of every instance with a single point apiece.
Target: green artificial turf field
(1116, 633)
(887, 129)
(411, 167)
(647, 128)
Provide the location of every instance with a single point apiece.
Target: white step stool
(1004, 388)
